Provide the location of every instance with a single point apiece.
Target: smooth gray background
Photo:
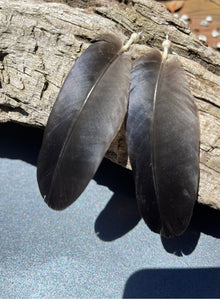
(98, 247)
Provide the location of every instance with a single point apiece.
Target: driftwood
(39, 42)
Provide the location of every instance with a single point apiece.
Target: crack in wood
(8, 109)
(207, 101)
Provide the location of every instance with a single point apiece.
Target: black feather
(162, 134)
(87, 115)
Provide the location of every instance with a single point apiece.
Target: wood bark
(40, 40)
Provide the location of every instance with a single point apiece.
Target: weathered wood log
(39, 42)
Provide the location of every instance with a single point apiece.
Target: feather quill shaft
(162, 134)
(86, 116)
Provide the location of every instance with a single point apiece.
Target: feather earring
(162, 134)
(86, 117)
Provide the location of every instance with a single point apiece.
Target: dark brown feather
(163, 143)
(87, 115)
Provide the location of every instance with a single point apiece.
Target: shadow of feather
(182, 245)
(205, 220)
(121, 213)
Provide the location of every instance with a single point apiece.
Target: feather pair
(162, 132)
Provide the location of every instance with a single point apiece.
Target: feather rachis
(152, 139)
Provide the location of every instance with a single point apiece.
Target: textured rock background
(39, 42)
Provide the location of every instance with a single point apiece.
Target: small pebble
(215, 33)
(184, 17)
(209, 19)
(202, 38)
(204, 23)
(176, 15)
(184, 21)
